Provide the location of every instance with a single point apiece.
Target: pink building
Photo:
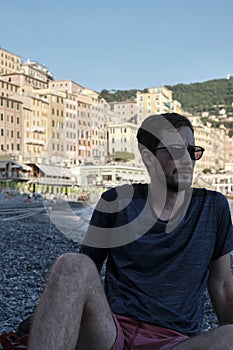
(125, 111)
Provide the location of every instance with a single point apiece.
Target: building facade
(122, 140)
(125, 112)
(155, 100)
(9, 62)
(60, 122)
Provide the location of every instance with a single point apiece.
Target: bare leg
(73, 312)
(217, 339)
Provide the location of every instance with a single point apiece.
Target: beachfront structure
(109, 175)
(218, 182)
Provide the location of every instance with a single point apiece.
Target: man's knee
(74, 264)
(226, 331)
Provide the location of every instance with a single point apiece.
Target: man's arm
(220, 287)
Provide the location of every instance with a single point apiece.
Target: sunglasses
(178, 151)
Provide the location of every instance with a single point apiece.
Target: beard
(177, 183)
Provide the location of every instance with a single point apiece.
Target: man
(163, 243)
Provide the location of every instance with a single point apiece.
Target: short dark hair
(154, 124)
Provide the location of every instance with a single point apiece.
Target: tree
(123, 156)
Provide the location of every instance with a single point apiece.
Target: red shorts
(135, 335)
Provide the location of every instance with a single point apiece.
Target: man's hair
(149, 133)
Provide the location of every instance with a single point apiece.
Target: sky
(122, 44)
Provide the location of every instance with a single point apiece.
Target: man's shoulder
(203, 192)
(136, 190)
(208, 194)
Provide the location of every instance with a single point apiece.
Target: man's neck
(166, 204)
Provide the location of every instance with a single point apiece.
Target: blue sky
(122, 44)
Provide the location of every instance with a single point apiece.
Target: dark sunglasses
(178, 151)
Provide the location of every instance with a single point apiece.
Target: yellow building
(156, 100)
(36, 127)
(11, 124)
(9, 62)
(122, 138)
(153, 101)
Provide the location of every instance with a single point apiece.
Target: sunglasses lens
(198, 153)
(195, 152)
(176, 151)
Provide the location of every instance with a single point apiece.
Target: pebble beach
(29, 245)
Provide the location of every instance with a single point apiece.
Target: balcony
(38, 129)
(34, 142)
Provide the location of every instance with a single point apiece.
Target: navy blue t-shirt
(155, 276)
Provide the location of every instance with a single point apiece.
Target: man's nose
(186, 158)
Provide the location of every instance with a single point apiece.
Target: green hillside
(210, 96)
(118, 95)
(195, 98)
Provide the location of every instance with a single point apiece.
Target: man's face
(177, 174)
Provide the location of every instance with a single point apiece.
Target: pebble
(28, 247)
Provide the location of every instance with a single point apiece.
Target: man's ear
(147, 157)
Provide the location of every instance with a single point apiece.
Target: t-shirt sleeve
(97, 254)
(99, 229)
(224, 237)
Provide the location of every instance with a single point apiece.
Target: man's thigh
(97, 328)
(220, 338)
